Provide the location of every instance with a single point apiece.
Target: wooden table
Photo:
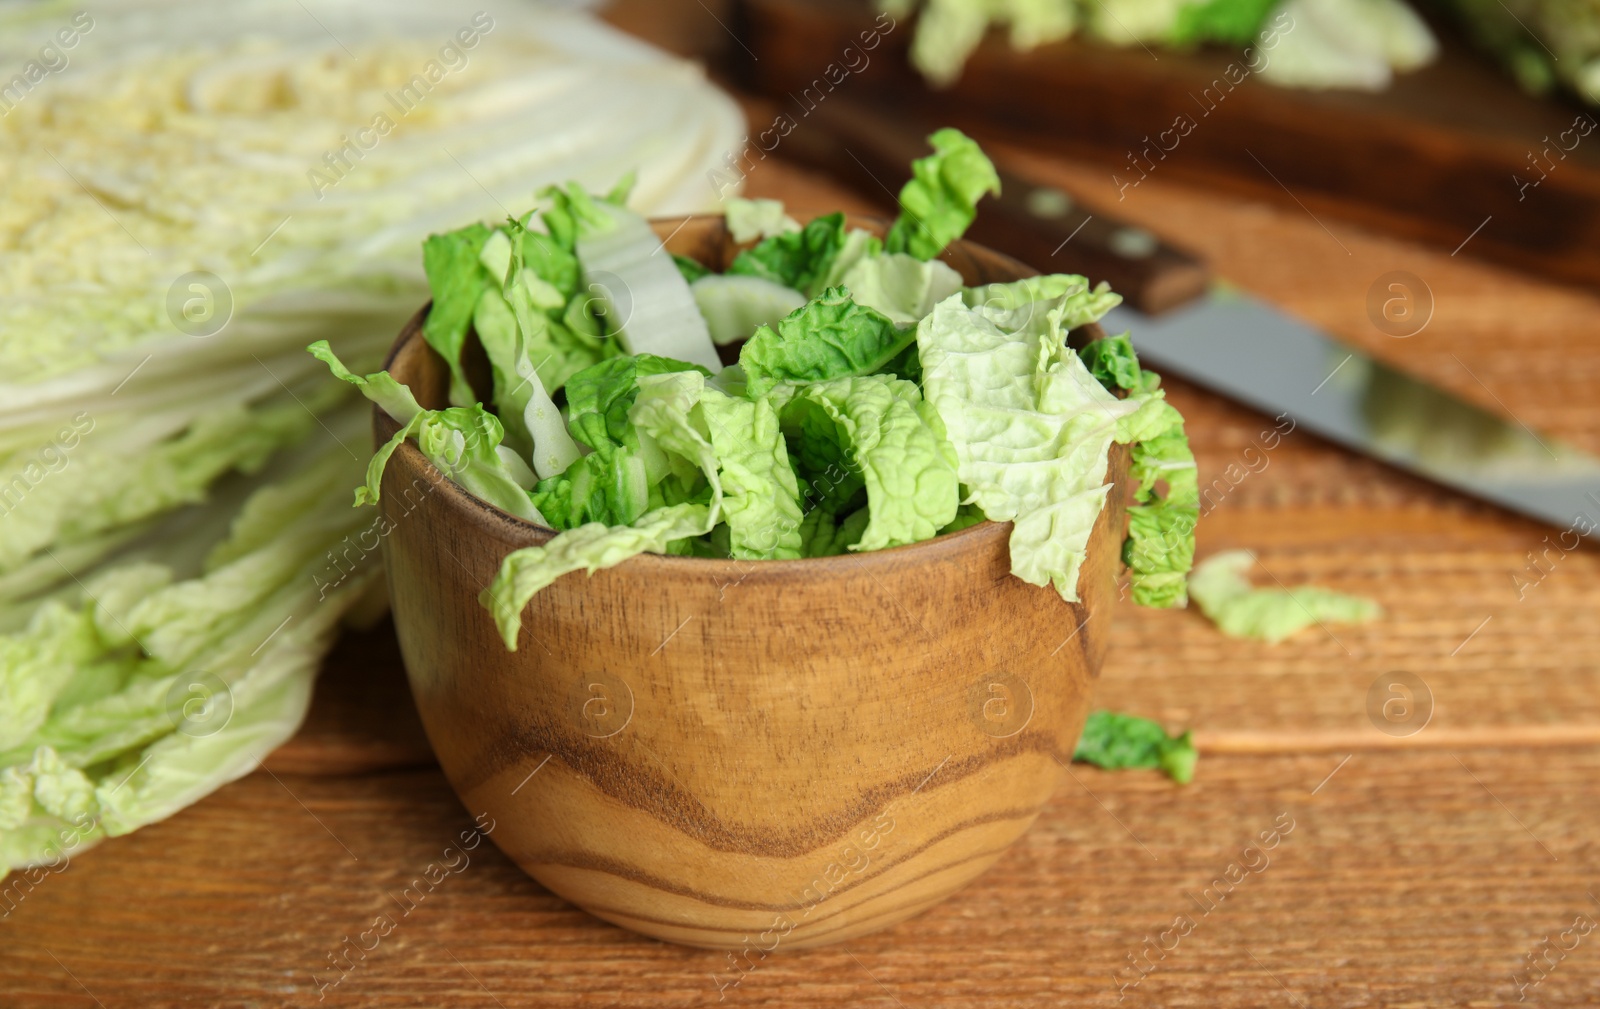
(1420, 870)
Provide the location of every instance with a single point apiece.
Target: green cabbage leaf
(1221, 587)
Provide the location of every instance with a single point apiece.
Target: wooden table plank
(1414, 878)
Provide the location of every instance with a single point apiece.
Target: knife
(1187, 323)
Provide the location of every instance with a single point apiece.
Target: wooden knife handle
(1038, 224)
(1052, 232)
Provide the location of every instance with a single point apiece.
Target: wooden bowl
(743, 755)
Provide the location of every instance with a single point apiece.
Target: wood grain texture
(734, 753)
(1415, 879)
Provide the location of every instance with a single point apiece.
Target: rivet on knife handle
(1150, 274)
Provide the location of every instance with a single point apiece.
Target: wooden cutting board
(1440, 157)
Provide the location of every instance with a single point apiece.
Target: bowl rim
(528, 533)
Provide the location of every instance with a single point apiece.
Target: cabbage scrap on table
(877, 401)
(181, 216)
(1221, 587)
(1115, 741)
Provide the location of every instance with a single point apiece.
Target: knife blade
(1254, 354)
(1208, 332)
